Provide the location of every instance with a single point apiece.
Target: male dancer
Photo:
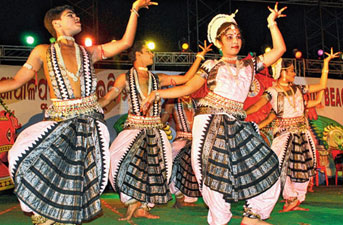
(60, 165)
(183, 182)
(141, 159)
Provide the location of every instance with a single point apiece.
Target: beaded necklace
(138, 87)
(287, 96)
(61, 64)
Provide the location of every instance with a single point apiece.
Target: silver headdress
(216, 23)
(276, 69)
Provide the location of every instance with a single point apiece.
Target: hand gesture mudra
(146, 103)
(275, 13)
(206, 48)
(332, 55)
(143, 4)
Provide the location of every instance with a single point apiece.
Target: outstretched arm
(267, 120)
(26, 73)
(325, 71)
(279, 46)
(113, 93)
(257, 106)
(110, 49)
(166, 80)
(175, 92)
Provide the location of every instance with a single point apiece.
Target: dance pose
(230, 160)
(141, 156)
(292, 140)
(183, 182)
(60, 165)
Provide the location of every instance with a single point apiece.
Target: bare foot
(130, 211)
(145, 214)
(180, 202)
(298, 208)
(249, 221)
(290, 206)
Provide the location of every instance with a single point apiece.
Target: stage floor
(325, 204)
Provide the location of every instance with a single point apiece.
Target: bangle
(272, 24)
(133, 10)
(28, 66)
(157, 96)
(200, 56)
(325, 71)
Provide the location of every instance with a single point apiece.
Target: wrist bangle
(272, 24)
(133, 10)
(157, 96)
(325, 71)
(200, 56)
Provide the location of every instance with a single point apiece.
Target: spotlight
(320, 52)
(185, 46)
(297, 53)
(151, 45)
(30, 40)
(88, 42)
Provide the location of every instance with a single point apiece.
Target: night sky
(166, 24)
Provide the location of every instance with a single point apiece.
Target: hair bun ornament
(216, 23)
(276, 69)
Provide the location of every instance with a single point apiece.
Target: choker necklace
(143, 68)
(284, 84)
(229, 58)
(68, 38)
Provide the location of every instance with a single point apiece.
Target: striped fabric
(298, 159)
(235, 159)
(183, 173)
(62, 174)
(142, 173)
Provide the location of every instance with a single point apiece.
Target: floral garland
(2, 103)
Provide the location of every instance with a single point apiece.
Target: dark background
(166, 24)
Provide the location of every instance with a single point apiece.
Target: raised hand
(331, 55)
(205, 49)
(143, 4)
(275, 13)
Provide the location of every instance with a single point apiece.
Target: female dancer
(292, 140)
(230, 160)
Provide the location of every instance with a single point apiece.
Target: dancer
(230, 160)
(141, 159)
(292, 140)
(183, 183)
(60, 165)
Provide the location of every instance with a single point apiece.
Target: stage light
(297, 53)
(88, 42)
(185, 46)
(267, 49)
(320, 52)
(151, 45)
(30, 40)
